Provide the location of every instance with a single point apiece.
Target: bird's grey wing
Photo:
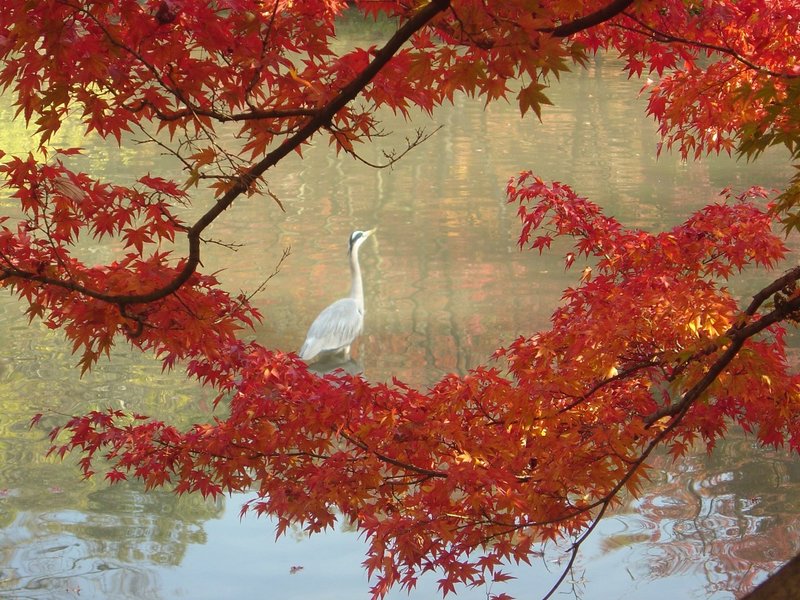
(334, 328)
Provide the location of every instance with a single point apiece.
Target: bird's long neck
(356, 287)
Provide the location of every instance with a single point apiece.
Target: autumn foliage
(473, 473)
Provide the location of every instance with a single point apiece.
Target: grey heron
(338, 325)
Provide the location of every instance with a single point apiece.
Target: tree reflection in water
(108, 549)
(732, 517)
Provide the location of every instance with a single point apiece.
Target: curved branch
(616, 7)
(776, 286)
(591, 20)
(738, 335)
(317, 122)
(242, 183)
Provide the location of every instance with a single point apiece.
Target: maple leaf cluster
(475, 472)
(724, 75)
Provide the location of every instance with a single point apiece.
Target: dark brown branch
(317, 122)
(241, 184)
(616, 7)
(738, 335)
(591, 20)
(776, 286)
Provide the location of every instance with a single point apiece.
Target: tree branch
(242, 183)
(591, 20)
(391, 156)
(738, 334)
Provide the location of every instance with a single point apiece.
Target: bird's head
(357, 238)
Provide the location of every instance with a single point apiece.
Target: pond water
(445, 285)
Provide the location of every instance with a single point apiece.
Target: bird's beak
(370, 232)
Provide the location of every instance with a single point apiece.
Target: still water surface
(445, 286)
